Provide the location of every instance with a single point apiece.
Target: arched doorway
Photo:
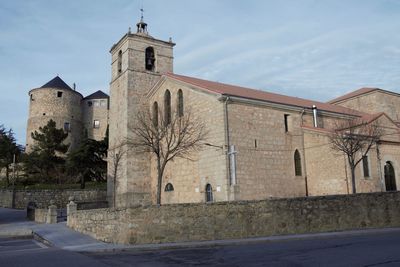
(390, 178)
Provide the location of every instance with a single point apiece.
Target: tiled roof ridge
(239, 91)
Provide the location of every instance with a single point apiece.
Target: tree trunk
(82, 181)
(8, 176)
(159, 180)
(353, 178)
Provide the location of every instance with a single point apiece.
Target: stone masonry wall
(42, 197)
(229, 220)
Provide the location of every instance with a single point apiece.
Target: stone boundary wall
(231, 220)
(42, 197)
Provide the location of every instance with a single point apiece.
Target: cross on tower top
(141, 25)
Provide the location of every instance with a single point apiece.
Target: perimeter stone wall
(230, 220)
(42, 197)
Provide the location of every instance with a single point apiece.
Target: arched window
(209, 194)
(119, 61)
(167, 107)
(180, 103)
(155, 114)
(297, 163)
(169, 187)
(150, 59)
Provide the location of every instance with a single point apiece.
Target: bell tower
(137, 62)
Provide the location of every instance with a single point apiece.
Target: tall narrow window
(286, 120)
(297, 163)
(155, 114)
(180, 103)
(167, 107)
(150, 59)
(119, 61)
(365, 166)
(209, 194)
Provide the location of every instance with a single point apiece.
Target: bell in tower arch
(150, 59)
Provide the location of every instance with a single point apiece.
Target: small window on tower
(59, 94)
(96, 103)
(67, 127)
(286, 119)
(103, 103)
(32, 97)
(89, 103)
(96, 124)
(119, 61)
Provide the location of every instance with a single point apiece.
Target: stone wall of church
(375, 102)
(190, 177)
(239, 219)
(328, 171)
(265, 152)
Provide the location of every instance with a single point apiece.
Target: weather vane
(141, 10)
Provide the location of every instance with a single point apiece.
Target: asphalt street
(29, 252)
(372, 249)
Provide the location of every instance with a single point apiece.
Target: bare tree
(115, 154)
(355, 138)
(166, 136)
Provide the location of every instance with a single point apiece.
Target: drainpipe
(227, 140)
(314, 111)
(304, 153)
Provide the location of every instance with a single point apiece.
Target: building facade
(79, 116)
(259, 144)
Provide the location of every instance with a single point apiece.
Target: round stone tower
(58, 102)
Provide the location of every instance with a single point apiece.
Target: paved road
(29, 252)
(373, 249)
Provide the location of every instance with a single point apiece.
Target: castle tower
(138, 61)
(95, 115)
(58, 102)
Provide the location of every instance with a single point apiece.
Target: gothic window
(169, 187)
(209, 194)
(119, 61)
(297, 163)
(167, 107)
(180, 103)
(155, 114)
(365, 166)
(150, 59)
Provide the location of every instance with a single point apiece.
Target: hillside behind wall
(230, 220)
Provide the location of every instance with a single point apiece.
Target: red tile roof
(233, 90)
(355, 93)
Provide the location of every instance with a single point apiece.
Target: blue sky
(306, 48)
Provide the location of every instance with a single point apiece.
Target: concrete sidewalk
(14, 224)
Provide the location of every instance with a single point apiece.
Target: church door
(390, 179)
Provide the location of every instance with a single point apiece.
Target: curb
(237, 242)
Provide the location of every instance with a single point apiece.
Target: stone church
(260, 144)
